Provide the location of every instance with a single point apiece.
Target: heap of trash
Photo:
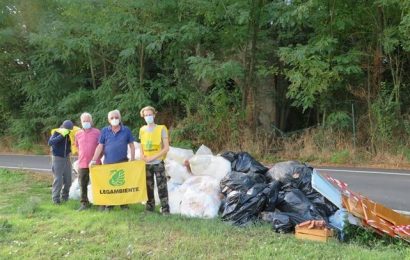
(291, 196)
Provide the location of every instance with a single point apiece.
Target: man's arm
(97, 154)
(55, 138)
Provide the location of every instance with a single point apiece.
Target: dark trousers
(157, 170)
(84, 178)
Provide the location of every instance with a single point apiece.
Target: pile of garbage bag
(282, 195)
(243, 191)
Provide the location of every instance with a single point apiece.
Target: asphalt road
(388, 187)
(26, 162)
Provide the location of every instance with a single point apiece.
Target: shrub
(340, 157)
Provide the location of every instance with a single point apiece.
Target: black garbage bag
(294, 201)
(291, 173)
(240, 181)
(230, 156)
(323, 205)
(241, 208)
(295, 175)
(273, 196)
(282, 222)
(244, 162)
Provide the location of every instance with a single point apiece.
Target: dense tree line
(215, 69)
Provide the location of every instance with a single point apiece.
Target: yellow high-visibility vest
(74, 150)
(151, 142)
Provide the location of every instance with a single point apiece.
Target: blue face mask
(86, 125)
(149, 119)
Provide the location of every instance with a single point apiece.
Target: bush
(213, 119)
(405, 151)
(340, 157)
(339, 120)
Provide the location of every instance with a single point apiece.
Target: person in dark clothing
(61, 164)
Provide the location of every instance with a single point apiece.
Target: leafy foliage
(210, 67)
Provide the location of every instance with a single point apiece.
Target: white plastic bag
(178, 172)
(175, 196)
(210, 165)
(137, 151)
(179, 155)
(90, 194)
(201, 197)
(203, 150)
(75, 192)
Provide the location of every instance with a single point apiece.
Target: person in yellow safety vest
(61, 163)
(71, 134)
(154, 148)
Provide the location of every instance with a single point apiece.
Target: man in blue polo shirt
(114, 141)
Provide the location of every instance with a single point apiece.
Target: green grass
(340, 157)
(31, 227)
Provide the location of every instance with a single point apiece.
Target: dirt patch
(39, 176)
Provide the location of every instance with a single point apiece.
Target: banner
(119, 183)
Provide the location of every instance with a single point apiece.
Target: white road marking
(402, 212)
(361, 171)
(25, 168)
(26, 155)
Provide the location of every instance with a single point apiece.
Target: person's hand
(92, 163)
(147, 159)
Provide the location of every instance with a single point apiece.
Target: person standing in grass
(114, 141)
(61, 164)
(86, 140)
(154, 147)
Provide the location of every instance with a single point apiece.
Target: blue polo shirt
(115, 145)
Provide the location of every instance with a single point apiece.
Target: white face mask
(86, 125)
(149, 119)
(115, 122)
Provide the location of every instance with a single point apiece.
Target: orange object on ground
(375, 221)
(403, 232)
(313, 230)
(353, 204)
(390, 215)
(374, 215)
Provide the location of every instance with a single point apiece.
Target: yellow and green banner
(119, 183)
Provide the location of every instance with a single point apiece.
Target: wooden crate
(313, 234)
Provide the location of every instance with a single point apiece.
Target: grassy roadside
(304, 148)
(31, 227)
